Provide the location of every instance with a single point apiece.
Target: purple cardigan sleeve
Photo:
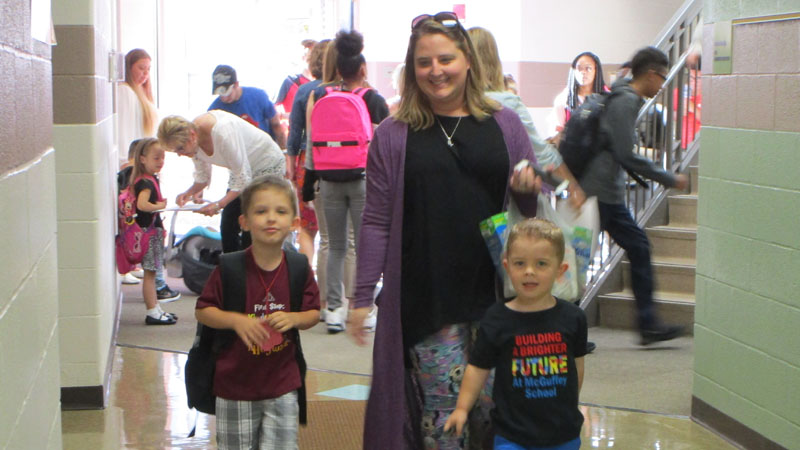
(519, 148)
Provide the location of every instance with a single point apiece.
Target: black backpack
(208, 342)
(583, 139)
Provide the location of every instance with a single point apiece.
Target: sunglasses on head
(446, 18)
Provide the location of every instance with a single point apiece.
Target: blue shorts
(501, 443)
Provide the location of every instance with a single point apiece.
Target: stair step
(618, 309)
(694, 179)
(668, 277)
(673, 244)
(683, 209)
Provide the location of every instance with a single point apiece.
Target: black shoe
(163, 319)
(166, 295)
(590, 346)
(665, 333)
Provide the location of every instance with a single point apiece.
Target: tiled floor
(147, 410)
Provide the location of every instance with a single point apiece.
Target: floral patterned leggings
(439, 362)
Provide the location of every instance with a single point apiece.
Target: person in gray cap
(249, 103)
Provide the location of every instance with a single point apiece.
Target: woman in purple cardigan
(439, 166)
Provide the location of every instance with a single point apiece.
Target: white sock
(155, 313)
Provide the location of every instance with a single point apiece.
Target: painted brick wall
(747, 347)
(29, 344)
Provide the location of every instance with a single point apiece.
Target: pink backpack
(132, 242)
(341, 131)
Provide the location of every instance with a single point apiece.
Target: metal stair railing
(668, 128)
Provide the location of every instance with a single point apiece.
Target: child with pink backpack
(341, 122)
(141, 235)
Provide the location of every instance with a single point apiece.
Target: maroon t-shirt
(251, 373)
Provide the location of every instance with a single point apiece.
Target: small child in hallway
(257, 376)
(148, 160)
(536, 344)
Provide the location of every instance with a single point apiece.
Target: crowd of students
(453, 367)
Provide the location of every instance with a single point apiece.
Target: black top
(536, 381)
(145, 218)
(447, 272)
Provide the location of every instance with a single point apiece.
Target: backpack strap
(232, 268)
(297, 265)
(153, 180)
(361, 92)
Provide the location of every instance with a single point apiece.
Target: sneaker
(130, 279)
(371, 320)
(334, 318)
(138, 273)
(166, 295)
(322, 312)
(664, 333)
(590, 346)
(162, 319)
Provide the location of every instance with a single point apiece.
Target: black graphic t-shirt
(536, 380)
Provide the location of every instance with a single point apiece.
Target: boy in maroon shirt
(257, 376)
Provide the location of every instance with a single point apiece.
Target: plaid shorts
(258, 425)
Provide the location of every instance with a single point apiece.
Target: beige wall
(747, 345)
(29, 344)
(86, 166)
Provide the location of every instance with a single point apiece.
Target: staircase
(674, 263)
(669, 217)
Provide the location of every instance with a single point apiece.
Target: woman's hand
(355, 325)
(576, 196)
(525, 181)
(197, 198)
(211, 209)
(162, 204)
(182, 199)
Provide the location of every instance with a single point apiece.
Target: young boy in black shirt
(536, 345)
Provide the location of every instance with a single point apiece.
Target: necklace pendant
(449, 142)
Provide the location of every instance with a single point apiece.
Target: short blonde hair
(175, 130)
(538, 229)
(269, 182)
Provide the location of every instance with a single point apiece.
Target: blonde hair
(538, 229)
(269, 182)
(487, 53)
(415, 108)
(141, 148)
(175, 130)
(144, 92)
(329, 72)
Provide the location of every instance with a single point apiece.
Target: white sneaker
(130, 279)
(335, 318)
(138, 273)
(371, 320)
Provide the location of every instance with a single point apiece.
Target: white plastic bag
(566, 286)
(585, 234)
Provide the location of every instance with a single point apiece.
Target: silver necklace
(450, 137)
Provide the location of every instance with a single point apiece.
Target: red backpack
(288, 100)
(341, 130)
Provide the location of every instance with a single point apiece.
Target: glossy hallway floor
(147, 410)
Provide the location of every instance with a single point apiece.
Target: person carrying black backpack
(605, 178)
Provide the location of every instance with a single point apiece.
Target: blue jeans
(161, 283)
(501, 443)
(617, 220)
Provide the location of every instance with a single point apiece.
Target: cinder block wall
(86, 167)
(29, 340)
(747, 347)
